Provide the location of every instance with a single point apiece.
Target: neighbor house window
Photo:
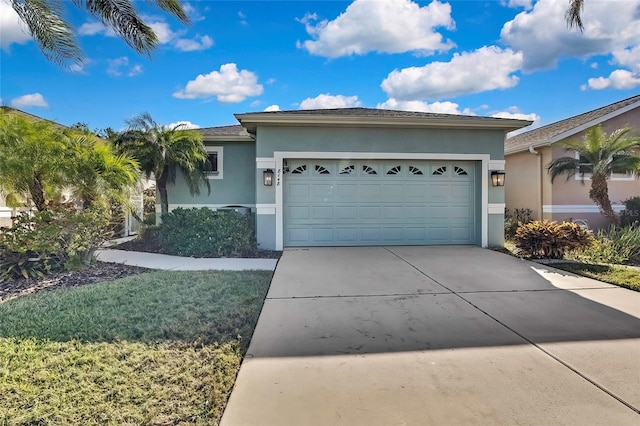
(215, 157)
(585, 168)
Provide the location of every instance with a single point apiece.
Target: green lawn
(157, 348)
(618, 275)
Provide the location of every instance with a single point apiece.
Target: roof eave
(228, 138)
(251, 121)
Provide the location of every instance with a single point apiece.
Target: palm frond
(173, 7)
(52, 33)
(563, 166)
(573, 16)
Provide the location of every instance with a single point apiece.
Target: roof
(227, 133)
(375, 117)
(563, 129)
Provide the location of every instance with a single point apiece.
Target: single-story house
(358, 176)
(528, 154)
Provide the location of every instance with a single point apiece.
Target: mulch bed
(94, 273)
(151, 245)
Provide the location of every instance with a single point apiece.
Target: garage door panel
(372, 202)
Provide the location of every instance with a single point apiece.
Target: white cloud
(198, 43)
(515, 113)
(516, 4)
(542, 35)
(31, 100)
(487, 68)
(162, 30)
(328, 101)
(389, 26)
(120, 66)
(227, 85)
(93, 28)
(12, 29)
(272, 108)
(421, 106)
(193, 13)
(618, 79)
(183, 125)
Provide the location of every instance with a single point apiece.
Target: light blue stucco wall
(237, 187)
(348, 139)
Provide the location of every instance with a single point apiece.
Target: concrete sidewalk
(177, 263)
(437, 335)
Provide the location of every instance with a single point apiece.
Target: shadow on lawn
(194, 307)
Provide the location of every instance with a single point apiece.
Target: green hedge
(207, 233)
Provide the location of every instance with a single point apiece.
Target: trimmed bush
(547, 239)
(512, 221)
(207, 233)
(631, 213)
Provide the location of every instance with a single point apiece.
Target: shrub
(512, 221)
(207, 233)
(631, 213)
(57, 237)
(547, 239)
(615, 245)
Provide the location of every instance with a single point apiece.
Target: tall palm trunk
(599, 193)
(161, 183)
(36, 190)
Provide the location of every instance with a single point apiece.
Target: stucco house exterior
(528, 154)
(358, 176)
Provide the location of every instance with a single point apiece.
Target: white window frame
(613, 177)
(220, 151)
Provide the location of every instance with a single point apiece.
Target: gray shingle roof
(365, 112)
(559, 130)
(233, 130)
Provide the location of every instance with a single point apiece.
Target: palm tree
(33, 157)
(163, 151)
(573, 15)
(98, 171)
(600, 156)
(55, 36)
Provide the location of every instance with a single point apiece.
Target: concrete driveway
(437, 335)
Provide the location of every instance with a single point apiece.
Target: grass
(618, 275)
(158, 348)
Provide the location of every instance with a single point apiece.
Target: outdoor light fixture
(267, 177)
(497, 178)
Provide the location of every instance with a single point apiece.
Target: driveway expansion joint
(531, 342)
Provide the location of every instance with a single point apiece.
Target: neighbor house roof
(225, 133)
(563, 129)
(5, 108)
(375, 117)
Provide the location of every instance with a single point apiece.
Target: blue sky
(505, 58)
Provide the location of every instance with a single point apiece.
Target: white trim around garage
(496, 164)
(265, 163)
(496, 208)
(267, 209)
(577, 208)
(279, 156)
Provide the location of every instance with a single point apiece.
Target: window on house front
(585, 168)
(214, 155)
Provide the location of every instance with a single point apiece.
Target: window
(214, 155)
(585, 169)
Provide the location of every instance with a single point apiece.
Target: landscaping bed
(91, 274)
(617, 275)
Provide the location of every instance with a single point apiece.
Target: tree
(55, 36)
(98, 172)
(573, 15)
(599, 156)
(33, 157)
(163, 151)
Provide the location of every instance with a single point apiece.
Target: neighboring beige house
(527, 155)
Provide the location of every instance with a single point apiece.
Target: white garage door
(379, 202)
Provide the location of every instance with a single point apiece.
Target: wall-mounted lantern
(497, 178)
(267, 177)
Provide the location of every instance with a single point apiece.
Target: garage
(336, 202)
